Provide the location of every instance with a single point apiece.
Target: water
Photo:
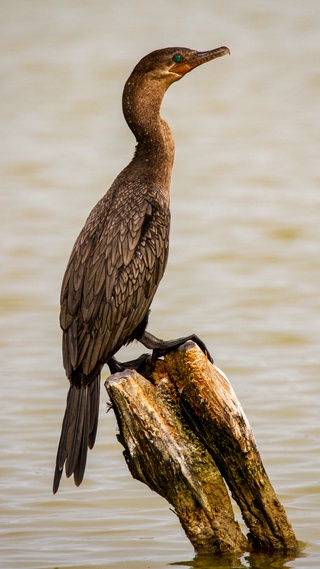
(244, 262)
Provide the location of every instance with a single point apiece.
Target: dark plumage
(120, 256)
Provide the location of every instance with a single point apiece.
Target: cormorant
(120, 256)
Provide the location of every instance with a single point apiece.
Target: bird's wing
(115, 267)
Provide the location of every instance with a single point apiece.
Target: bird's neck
(155, 145)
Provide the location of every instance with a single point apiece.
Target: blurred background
(243, 271)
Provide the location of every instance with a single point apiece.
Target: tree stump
(184, 432)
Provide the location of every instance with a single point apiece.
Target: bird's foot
(161, 347)
(116, 366)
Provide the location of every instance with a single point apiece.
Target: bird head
(172, 63)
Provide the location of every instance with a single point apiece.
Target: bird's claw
(116, 366)
(202, 347)
(170, 345)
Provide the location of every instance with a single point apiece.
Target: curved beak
(198, 58)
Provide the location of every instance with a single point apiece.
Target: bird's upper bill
(198, 58)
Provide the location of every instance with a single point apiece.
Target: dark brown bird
(120, 256)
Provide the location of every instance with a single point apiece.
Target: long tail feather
(78, 431)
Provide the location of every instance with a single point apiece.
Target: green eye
(177, 58)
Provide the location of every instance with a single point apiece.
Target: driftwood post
(184, 431)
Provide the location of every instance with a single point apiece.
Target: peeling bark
(184, 432)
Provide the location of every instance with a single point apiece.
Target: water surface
(244, 264)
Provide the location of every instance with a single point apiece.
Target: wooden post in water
(184, 431)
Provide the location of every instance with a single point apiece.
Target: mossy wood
(184, 431)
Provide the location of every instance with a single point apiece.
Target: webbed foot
(116, 366)
(161, 347)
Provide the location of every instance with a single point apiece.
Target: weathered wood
(216, 415)
(180, 424)
(162, 452)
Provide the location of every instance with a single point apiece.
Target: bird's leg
(161, 347)
(115, 365)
